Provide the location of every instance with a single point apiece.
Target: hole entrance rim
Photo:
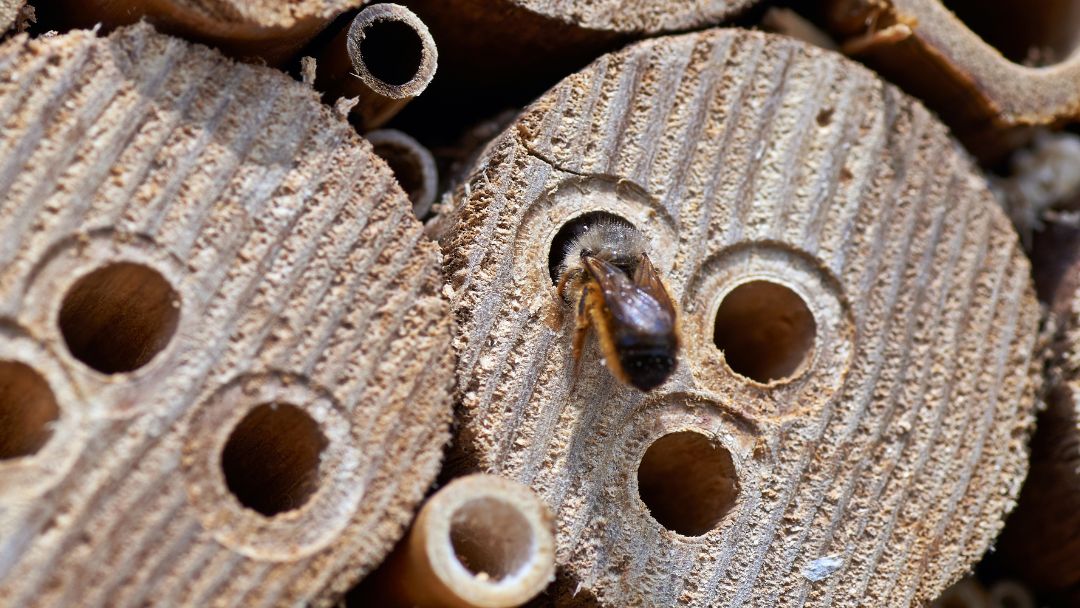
(782, 345)
(572, 228)
(688, 482)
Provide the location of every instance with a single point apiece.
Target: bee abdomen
(647, 368)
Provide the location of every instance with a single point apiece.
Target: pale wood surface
(882, 470)
(9, 11)
(270, 29)
(299, 277)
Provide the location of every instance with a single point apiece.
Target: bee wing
(633, 308)
(649, 280)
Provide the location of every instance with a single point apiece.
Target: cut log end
(412, 164)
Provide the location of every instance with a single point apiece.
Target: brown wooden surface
(989, 69)
(9, 12)
(879, 472)
(214, 229)
(270, 29)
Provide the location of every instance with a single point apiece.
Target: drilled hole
(27, 410)
(491, 538)
(271, 460)
(688, 482)
(392, 51)
(570, 232)
(765, 330)
(118, 317)
(1029, 33)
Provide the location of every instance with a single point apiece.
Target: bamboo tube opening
(27, 410)
(412, 164)
(492, 539)
(570, 231)
(1038, 34)
(271, 459)
(118, 317)
(1010, 594)
(392, 51)
(765, 330)
(688, 482)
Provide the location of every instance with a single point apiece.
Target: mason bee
(609, 279)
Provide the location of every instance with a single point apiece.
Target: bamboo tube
(218, 317)
(989, 68)
(412, 164)
(855, 382)
(269, 29)
(480, 542)
(385, 57)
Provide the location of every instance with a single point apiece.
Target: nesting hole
(491, 538)
(688, 482)
(765, 330)
(392, 51)
(116, 318)
(27, 410)
(570, 231)
(271, 459)
(1028, 33)
(407, 168)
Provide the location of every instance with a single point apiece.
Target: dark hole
(688, 482)
(571, 231)
(765, 330)
(27, 409)
(271, 460)
(404, 164)
(1029, 33)
(392, 51)
(118, 317)
(491, 537)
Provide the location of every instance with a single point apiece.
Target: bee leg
(581, 324)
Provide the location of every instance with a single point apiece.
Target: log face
(636, 16)
(264, 321)
(876, 470)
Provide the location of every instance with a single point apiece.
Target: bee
(609, 279)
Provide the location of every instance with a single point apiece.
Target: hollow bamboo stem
(385, 58)
(482, 541)
(412, 164)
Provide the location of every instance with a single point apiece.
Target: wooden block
(9, 12)
(230, 324)
(989, 68)
(825, 229)
(270, 29)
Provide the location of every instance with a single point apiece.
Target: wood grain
(250, 274)
(270, 29)
(876, 474)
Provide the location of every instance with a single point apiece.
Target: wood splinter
(385, 57)
(482, 541)
(412, 164)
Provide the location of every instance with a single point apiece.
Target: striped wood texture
(896, 452)
(301, 278)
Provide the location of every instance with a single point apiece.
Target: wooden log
(990, 69)
(384, 57)
(498, 43)
(218, 295)
(269, 29)
(877, 464)
(9, 13)
(482, 541)
(412, 164)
